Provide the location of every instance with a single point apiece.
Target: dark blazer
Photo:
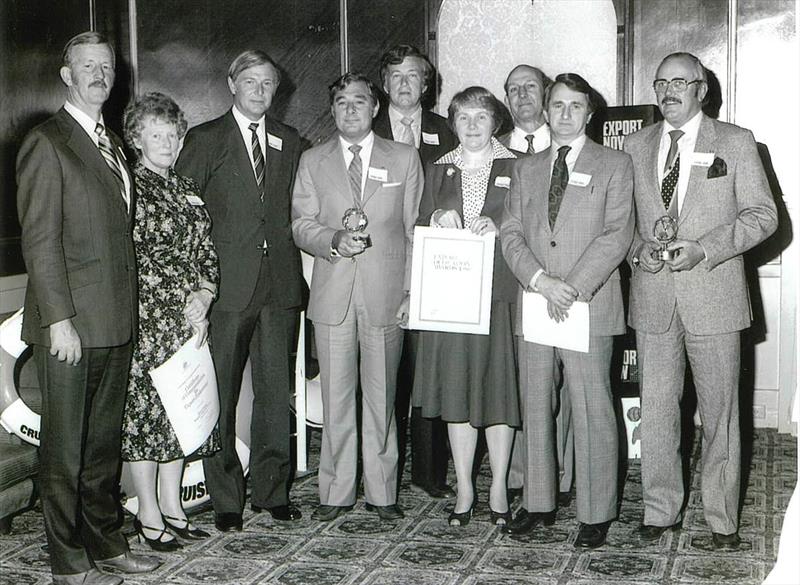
(432, 124)
(76, 237)
(443, 191)
(215, 156)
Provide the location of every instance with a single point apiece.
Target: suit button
(552, 244)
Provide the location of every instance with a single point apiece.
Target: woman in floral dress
(178, 274)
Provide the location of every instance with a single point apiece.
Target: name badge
(702, 159)
(432, 139)
(504, 182)
(194, 200)
(579, 179)
(274, 142)
(380, 175)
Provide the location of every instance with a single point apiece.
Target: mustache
(98, 83)
(671, 100)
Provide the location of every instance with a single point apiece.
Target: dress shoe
(437, 492)
(228, 521)
(500, 518)
(525, 521)
(592, 535)
(130, 563)
(326, 513)
(187, 531)
(90, 577)
(649, 532)
(164, 542)
(284, 513)
(512, 494)
(390, 512)
(564, 499)
(460, 518)
(725, 541)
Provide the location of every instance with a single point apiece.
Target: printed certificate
(451, 280)
(187, 386)
(538, 327)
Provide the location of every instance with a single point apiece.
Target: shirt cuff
(532, 283)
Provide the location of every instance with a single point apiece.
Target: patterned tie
(354, 171)
(672, 169)
(531, 149)
(258, 158)
(104, 144)
(558, 182)
(408, 132)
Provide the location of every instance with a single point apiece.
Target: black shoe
(500, 518)
(526, 521)
(437, 492)
(228, 521)
(592, 535)
(285, 513)
(187, 532)
(157, 544)
(651, 533)
(460, 518)
(564, 499)
(390, 512)
(725, 541)
(325, 513)
(512, 494)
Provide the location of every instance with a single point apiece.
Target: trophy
(355, 221)
(665, 231)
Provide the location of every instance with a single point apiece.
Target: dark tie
(672, 168)
(529, 138)
(354, 171)
(558, 182)
(258, 158)
(104, 144)
(408, 132)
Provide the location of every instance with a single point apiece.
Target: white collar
(84, 120)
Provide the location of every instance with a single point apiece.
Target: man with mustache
(245, 162)
(76, 203)
(708, 182)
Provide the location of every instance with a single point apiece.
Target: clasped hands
(559, 294)
(690, 253)
(198, 302)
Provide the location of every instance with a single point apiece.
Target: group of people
(127, 263)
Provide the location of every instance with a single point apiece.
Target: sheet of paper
(187, 386)
(451, 280)
(538, 327)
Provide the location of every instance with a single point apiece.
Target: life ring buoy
(17, 418)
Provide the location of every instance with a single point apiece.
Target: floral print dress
(174, 254)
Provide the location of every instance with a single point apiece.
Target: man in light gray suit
(358, 291)
(707, 176)
(567, 226)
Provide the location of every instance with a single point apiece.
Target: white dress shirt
(541, 139)
(398, 128)
(685, 151)
(365, 154)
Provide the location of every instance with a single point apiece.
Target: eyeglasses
(678, 84)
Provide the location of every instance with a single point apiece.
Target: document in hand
(187, 386)
(451, 280)
(538, 327)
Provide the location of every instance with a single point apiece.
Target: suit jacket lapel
(586, 163)
(334, 169)
(539, 173)
(272, 155)
(378, 160)
(706, 142)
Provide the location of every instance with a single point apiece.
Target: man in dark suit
(568, 225)
(407, 76)
(245, 164)
(75, 200)
(705, 178)
(359, 290)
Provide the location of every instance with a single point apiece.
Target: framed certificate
(451, 280)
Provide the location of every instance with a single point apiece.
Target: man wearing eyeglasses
(692, 300)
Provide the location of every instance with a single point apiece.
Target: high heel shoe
(500, 518)
(185, 532)
(460, 518)
(156, 543)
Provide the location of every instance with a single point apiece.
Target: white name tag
(702, 159)
(380, 175)
(194, 200)
(432, 139)
(274, 142)
(504, 182)
(579, 179)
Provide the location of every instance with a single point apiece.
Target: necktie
(258, 158)
(558, 182)
(104, 144)
(354, 171)
(672, 169)
(408, 132)
(529, 138)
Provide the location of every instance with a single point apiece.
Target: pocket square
(385, 185)
(717, 169)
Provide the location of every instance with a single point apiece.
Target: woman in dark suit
(470, 380)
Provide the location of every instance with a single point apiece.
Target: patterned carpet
(358, 548)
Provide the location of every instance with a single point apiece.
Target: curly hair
(155, 105)
(475, 97)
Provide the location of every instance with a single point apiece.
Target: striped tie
(408, 132)
(104, 144)
(354, 171)
(531, 149)
(258, 158)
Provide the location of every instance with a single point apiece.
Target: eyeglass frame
(671, 83)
